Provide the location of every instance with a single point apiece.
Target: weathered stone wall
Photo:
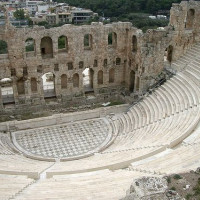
(132, 62)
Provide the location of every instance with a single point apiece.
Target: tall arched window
(64, 81)
(100, 77)
(49, 85)
(112, 39)
(87, 41)
(76, 80)
(111, 75)
(30, 45)
(46, 47)
(33, 85)
(190, 19)
(21, 86)
(62, 44)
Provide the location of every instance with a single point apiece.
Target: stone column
(57, 86)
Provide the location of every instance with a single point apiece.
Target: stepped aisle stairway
(157, 136)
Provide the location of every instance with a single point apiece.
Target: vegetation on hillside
(135, 11)
(117, 8)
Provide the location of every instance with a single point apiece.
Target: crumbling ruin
(118, 57)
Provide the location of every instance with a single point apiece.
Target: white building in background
(43, 7)
(32, 6)
(161, 17)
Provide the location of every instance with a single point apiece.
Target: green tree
(19, 14)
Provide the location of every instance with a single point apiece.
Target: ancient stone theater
(95, 152)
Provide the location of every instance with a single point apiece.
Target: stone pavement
(64, 141)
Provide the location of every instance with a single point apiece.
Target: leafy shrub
(177, 177)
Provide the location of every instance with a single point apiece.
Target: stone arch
(49, 85)
(30, 45)
(46, 47)
(76, 80)
(63, 81)
(112, 39)
(134, 43)
(21, 86)
(88, 78)
(132, 81)
(7, 92)
(33, 85)
(111, 75)
(100, 77)
(62, 44)
(3, 47)
(87, 41)
(190, 18)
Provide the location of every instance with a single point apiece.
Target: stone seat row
(11, 184)
(180, 159)
(162, 132)
(194, 138)
(20, 165)
(188, 57)
(99, 185)
(176, 95)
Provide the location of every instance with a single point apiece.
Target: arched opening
(30, 47)
(75, 80)
(64, 81)
(118, 61)
(46, 47)
(87, 41)
(21, 86)
(49, 85)
(88, 77)
(190, 19)
(134, 43)
(33, 85)
(3, 47)
(62, 44)
(112, 39)
(132, 81)
(169, 54)
(100, 77)
(7, 91)
(111, 75)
